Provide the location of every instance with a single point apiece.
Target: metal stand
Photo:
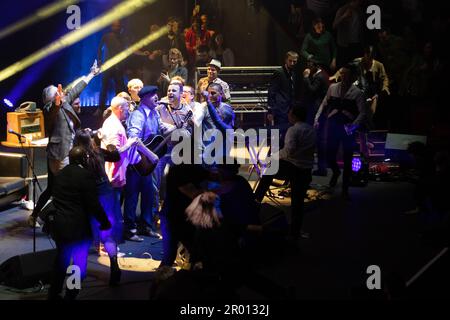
(34, 183)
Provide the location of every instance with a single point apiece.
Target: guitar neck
(166, 139)
(163, 143)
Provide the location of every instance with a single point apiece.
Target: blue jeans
(76, 251)
(136, 185)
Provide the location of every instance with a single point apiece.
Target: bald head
(120, 107)
(77, 155)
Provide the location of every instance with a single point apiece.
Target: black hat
(147, 90)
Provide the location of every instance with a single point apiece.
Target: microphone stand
(34, 181)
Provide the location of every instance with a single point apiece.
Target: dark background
(256, 30)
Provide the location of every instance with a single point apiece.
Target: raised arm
(76, 90)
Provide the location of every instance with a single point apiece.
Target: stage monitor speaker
(27, 270)
(397, 145)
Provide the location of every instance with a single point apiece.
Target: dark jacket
(283, 91)
(57, 126)
(316, 87)
(75, 200)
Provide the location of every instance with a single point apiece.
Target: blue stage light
(356, 164)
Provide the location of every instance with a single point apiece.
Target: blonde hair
(134, 82)
(177, 79)
(124, 95)
(177, 53)
(292, 54)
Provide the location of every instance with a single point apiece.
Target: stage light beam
(120, 11)
(127, 52)
(39, 15)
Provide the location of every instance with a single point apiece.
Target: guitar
(157, 145)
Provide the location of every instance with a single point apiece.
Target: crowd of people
(207, 207)
(177, 53)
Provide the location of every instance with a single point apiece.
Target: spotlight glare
(40, 14)
(120, 11)
(126, 53)
(8, 102)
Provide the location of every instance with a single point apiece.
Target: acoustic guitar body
(145, 166)
(157, 146)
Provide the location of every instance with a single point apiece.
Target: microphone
(16, 133)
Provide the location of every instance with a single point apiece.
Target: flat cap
(147, 90)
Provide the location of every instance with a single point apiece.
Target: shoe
(334, 178)
(320, 172)
(135, 238)
(27, 205)
(154, 234)
(131, 235)
(102, 252)
(149, 233)
(115, 272)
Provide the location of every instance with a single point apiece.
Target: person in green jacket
(320, 46)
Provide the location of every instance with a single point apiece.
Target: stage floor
(345, 238)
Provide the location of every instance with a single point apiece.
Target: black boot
(334, 178)
(114, 277)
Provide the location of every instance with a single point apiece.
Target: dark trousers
(321, 138)
(281, 123)
(336, 136)
(76, 252)
(112, 74)
(175, 229)
(137, 184)
(300, 180)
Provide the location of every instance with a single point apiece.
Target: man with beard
(282, 93)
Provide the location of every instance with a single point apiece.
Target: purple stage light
(356, 164)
